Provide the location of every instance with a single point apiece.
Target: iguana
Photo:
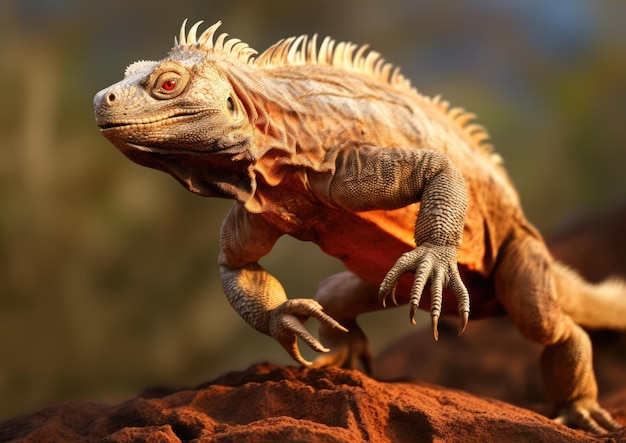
(329, 143)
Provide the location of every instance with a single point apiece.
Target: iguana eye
(166, 82)
(168, 85)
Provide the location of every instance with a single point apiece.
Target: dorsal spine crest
(303, 50)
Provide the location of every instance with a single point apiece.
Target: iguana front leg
(256, 295)
(368, 178)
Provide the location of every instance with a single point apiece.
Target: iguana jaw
(175, 134)
(154, 135)
(125, 147)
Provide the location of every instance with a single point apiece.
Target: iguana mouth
(176, 150)
(170, 118)
(163, 150)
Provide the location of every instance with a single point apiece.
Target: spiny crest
(303, 50)
(190, 41)
(293, 51)
(137, 67)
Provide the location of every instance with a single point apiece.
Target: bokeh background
(108, 276)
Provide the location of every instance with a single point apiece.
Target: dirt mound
(271, 403)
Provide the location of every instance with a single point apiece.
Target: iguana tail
(594, 306)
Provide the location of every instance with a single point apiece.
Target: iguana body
(328, 145)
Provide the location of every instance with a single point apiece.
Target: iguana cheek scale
(328, 143)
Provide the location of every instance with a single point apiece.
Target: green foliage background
(108, 277)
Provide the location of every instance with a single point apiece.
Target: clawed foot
(436, 264)
(350, 351)
(345, 357)
(285, 326)
(588, 416)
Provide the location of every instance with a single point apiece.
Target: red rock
(286, 404)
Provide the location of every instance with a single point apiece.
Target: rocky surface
(271, 403)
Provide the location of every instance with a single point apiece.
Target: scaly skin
(328, 145)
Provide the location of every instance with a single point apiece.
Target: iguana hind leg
(525, 286)
(344, 296)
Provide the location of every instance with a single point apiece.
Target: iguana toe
(348, 357)
(285, 326)
(588, 416)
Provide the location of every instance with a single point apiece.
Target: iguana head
(183, 114)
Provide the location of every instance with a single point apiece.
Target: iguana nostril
(111, 98)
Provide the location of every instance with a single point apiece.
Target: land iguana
(331, 144)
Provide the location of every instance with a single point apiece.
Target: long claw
(604, 419)
(435, 321)
(293, 325)
(589, 417)
(291, 346)
(412, 314)
(382, 298)
(329, 321)
(286, 326)
(389, 283)
(313, 309)
(464, 321)
(384, 293)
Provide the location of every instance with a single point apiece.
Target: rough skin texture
(330, 144)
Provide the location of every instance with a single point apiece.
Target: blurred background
(108, 275)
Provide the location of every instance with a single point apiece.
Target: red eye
(168, 85)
